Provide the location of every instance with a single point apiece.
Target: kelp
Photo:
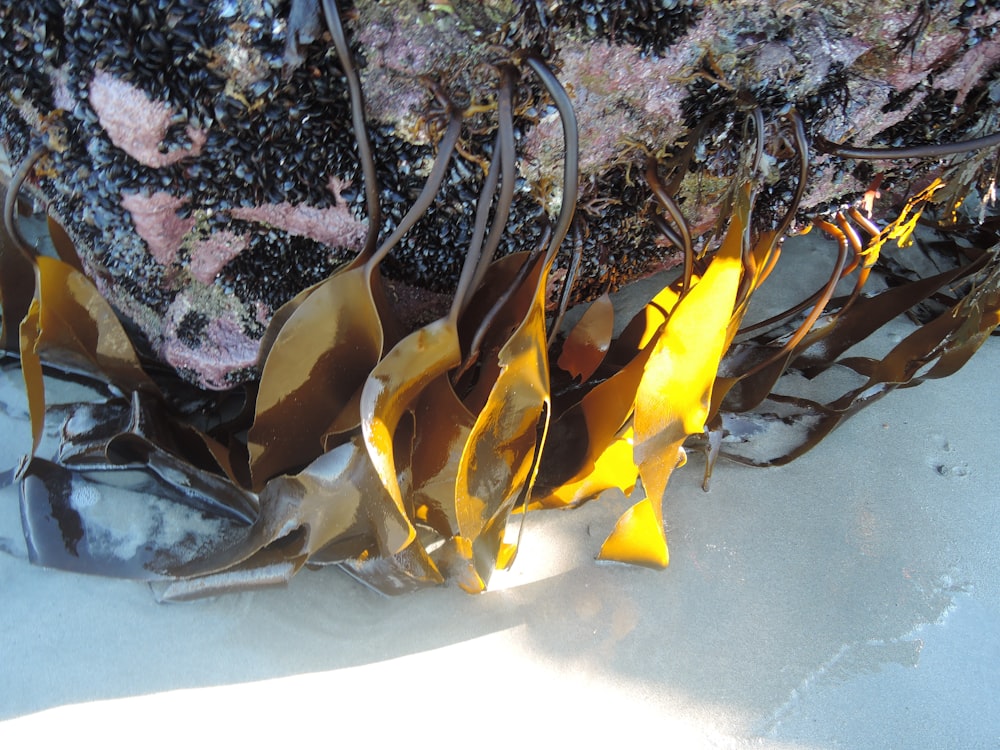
(409, 456)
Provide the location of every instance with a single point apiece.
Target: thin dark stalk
(664, 228)
(477, 339)
(683, 232)
(823, 299)
(858, 261)
(758, 124)
(10, 202)
(474, 254)
(865, 223)
(503, 160)
(445, 150)
(571, 159)
(358, 124)
(572, 273)
(927, 151)
(773, 251)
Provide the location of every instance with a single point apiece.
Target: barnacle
(407, 451)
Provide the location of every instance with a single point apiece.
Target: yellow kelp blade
(500, 452)
(586, 430)
(638, 538)
(614, 467)
(390, 391)
(674, 395)
(573, 471)
(79, 331)
(442, 426)
(901, 229)
(588, 342)
(31, 372)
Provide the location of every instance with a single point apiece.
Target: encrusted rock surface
(201, 152)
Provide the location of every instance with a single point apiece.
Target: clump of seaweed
(402, 452)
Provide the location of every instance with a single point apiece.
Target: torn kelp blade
(126, 523)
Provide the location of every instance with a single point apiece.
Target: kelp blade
(314, 372)
(674, 395)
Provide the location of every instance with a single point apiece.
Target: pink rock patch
(209, 255)
(335, 225)
(222, 348)
(156, 221)
(137, 124)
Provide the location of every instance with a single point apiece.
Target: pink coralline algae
(335, 225)
(136, 124)
(210, 254)
(156, 221)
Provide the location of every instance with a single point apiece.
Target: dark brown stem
(358, 123)
(571, 158)
(503, 162)
(927, 151)
(682, 238)
(10, 201)
(445, 149)
(571, 275)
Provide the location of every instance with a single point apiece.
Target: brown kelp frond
(796, 424)
(408, 454)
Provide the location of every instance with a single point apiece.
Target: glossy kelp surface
(408, 455)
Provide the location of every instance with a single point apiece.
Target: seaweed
(408, 454)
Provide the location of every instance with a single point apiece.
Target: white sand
(850, 599)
